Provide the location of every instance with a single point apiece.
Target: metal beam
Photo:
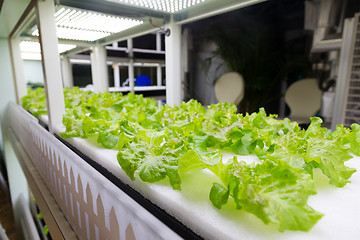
(139, 30)
(51, 63)
(212, 9)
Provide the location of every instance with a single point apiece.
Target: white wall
(7, 89)
(33, 71)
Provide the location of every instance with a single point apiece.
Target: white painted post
(99, 70)
(173, 64)
(131, 65)
(18, 69)
(116, 76)
(158, 42)
(67, 73)
(51, 63)
(159, 75)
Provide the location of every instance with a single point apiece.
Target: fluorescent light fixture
(30, 56)
(76, 34)
(31, 50)
(75, 24)
(170, 6)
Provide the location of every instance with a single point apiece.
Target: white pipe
(131, 65)
(67, 72)
(158, 42)
(99, 70)
(159, 75)
(116, 75)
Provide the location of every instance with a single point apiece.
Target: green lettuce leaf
(152, 163)
(219, 195)
(315, 148)
(274, 192)
(355, 139)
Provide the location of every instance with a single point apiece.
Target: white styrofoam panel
(192, 207)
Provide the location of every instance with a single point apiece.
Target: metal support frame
(131, 65)
(173, 64)
(327, 45)
(342, 81)
(116, 75)
(99, 70)
(18, 69)
(67, 72)
(327, 9)
(158, 75)
(323, 23)
(51, 63)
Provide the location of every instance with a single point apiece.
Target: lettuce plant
(162, 142)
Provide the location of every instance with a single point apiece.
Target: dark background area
(263, 39)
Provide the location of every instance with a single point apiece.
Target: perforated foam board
(192, 206)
